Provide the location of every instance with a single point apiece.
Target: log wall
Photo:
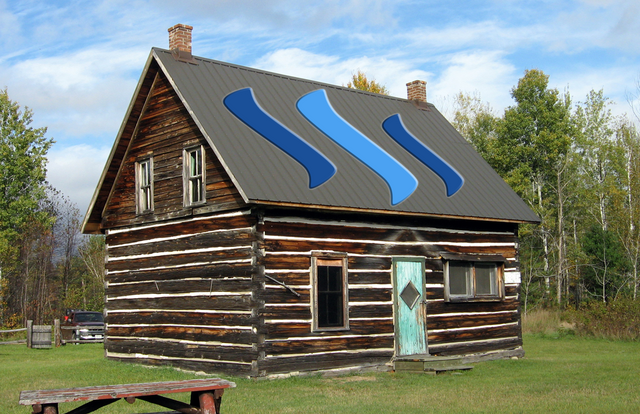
(287, 341)
(182, 293)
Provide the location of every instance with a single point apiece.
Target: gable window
(194, 176)
(473, 280)
(144, 186)
(330, 293)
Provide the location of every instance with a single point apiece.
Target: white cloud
(75, 171)
(76, 94)
(487, 73)
(394, 74)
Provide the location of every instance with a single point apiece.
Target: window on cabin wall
(194, 179)
(473, 280)
(330, 293)
(144, 186)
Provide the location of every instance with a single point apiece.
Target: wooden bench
(206, 396)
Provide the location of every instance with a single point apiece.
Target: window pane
(458, 279)
(335, 279)
(196, 190)
(486, 279)
(144, 174)
(330, 296)
(323, 282)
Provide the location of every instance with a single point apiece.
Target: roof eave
(390, 212)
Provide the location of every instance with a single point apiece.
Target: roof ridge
(295, 78)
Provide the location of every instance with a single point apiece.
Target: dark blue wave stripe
(396, 130)
(316, 108)
(242, 103)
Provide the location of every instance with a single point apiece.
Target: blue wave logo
(317, 109)
(242, 103)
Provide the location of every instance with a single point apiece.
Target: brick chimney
(417, 91)
(180, 38)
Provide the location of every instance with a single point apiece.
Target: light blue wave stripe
(315, 106)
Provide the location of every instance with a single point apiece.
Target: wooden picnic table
(206, 396)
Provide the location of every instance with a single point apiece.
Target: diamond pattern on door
(410, 295)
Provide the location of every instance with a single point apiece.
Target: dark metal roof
(265, 174)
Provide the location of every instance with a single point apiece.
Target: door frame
(396, 298)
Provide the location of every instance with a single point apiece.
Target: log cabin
(259, 224)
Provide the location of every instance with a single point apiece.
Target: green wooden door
(409, 295)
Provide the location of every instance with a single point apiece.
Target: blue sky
(76, 63)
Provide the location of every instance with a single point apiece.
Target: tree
(360, 81)
(23, 151)
(532, 154)
(24, 224)
(475, 121)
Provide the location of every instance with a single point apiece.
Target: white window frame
(316, 305)
(194, 185)
(144, 188)
(472, 294)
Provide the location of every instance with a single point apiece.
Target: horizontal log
(181, 303)
(370, 295)
(371, 311)
(473, 334)
(296, 346)
(187, 333)
(182, 228)
(464, 321)
(347, 231)
(282, 295)
(463, 348)
(237, 369)
(177, 259)
(182, 350)
(440, 307)
(239, 237)
(181, 286)
(358, 327)
(205, 271)
(287, 262)
(285, 312)
(363, 277)
(291, 278)
(180, 318)
(327, 361)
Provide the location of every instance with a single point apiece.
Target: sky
(76, 64)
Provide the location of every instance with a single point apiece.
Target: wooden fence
(40, 336)
(18, 341)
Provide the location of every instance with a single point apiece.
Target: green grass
(559, 374)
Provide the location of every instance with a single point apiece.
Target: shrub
(618, 320)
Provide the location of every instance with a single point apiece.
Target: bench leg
(208, 402)
(50, 409)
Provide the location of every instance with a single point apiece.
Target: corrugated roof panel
(267, 174)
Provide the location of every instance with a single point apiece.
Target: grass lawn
(568, 375)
